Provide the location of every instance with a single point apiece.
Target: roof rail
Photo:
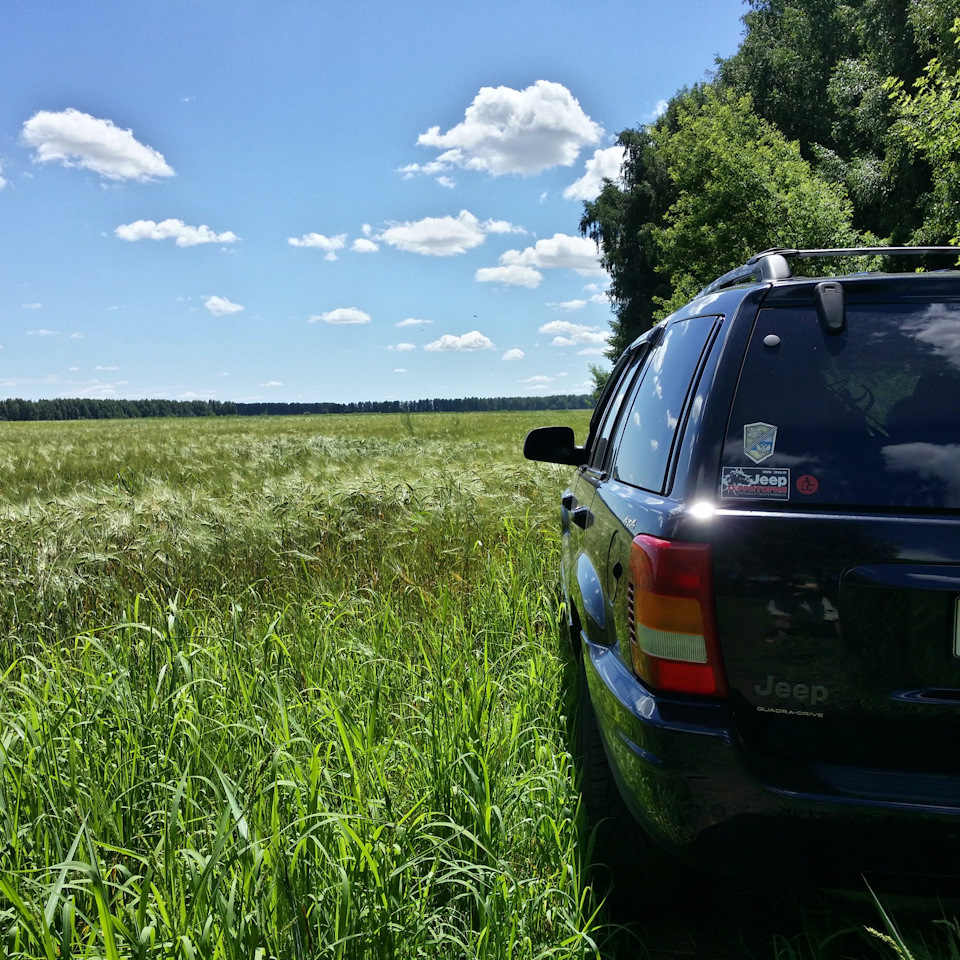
(773, 264)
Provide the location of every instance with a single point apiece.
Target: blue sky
(303, 200)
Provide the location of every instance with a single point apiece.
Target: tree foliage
(929, 124)
(806, 136)
(741, 187)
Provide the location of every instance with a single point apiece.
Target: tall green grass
(283, 689)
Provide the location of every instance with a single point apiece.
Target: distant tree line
(85, 409)
(835, 124)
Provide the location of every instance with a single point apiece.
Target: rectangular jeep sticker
(755, 483)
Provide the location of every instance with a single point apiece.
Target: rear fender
(592, 600)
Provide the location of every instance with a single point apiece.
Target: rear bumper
(688, 781)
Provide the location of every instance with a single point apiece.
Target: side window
(601, 445)
(654, 413)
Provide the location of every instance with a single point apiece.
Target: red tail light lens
(672, 620)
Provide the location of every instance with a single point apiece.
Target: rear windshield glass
(870, 417)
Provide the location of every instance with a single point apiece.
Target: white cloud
(501, 226)
(514, 354)
(560, 251)
(41, 333)
(220, 306)
(342, 315)
(413, 322)
(567, 334)
(328, 244)
(603, 165)
(569, 305)
(513, 131)
(537, 379)
(512, 276)
(447, 182)
(400, 370)
(401, 347)
(270, 383)
(31, 306)
(78, 140)
(177, 230)
(78, 336)
(436, 236)
(474, 340)
(3, 182)
(106, 368)
(591, 352)
(658, 111)
(363, 245)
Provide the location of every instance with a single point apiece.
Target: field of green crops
(288, 688)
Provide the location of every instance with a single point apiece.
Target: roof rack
(774, 264)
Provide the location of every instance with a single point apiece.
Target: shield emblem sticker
(759, 440)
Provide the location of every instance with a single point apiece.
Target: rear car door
(631, 473)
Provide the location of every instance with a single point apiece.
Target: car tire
(625, 865)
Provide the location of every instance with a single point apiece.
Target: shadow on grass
(733, 921)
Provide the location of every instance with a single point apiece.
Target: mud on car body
(761, 564)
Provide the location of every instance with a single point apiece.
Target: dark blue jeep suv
(761, 567)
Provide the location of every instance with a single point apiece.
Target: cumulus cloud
(270, 383)
(658, 111)
(512, 276)
(436, 236)
(329, 245)
(176, 230)
(363, 245)
(76, 139)
(221, 306)
(41, 333)
(560, 251)
(342, 315)
(539, 379)
(447, 182)
(514, 354)
(513, 131)
(413, 322)
(400, 370)
(569, 305)
(603, 165)
(474, 340)
(567, 334)
(401, 347)
(3, 182)
(501, 226)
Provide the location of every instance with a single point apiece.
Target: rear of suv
(761, 565)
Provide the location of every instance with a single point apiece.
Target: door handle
(569, 501)
(582, 517)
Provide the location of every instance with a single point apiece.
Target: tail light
(671, 617)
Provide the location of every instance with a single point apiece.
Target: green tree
(929, 124)
(741, 187)
(620, 220)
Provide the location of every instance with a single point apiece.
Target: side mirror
(554, 445)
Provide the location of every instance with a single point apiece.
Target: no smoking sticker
(808, 484)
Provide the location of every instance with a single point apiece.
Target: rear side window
(599, 453)
(870, 417)
(656, 409)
